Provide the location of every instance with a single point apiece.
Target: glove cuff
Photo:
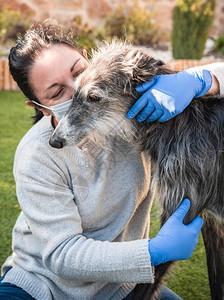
(206, 79)
(155, 258)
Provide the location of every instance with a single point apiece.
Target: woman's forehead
(54, 65)
(57, 54)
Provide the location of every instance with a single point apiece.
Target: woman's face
(53, 74)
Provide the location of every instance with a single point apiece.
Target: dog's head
(104, 93)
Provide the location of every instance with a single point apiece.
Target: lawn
(188, 278)
(14, 122)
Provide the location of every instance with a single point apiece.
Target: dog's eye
(93, 98)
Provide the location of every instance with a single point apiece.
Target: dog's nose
(56, 142)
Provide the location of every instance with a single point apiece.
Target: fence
(8, 84)
(6, 81)
(183, 64)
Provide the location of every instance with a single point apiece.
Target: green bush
(12, 23)
(192, 20)
(84, 34)
(136, 24)
(219, 44)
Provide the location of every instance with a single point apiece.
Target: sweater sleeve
(53, 218)
(218, 70)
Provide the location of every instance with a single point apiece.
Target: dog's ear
(140, 66)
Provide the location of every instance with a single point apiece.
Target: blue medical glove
(175, 241)
(168, 95)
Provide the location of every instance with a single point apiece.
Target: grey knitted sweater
(83, 230)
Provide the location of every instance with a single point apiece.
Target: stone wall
(93, 11)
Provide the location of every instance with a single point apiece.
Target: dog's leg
(146, 291)
(213, 236)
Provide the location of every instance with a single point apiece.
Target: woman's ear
(29, 103)
(84, 52)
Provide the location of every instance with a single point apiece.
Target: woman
(83, 230)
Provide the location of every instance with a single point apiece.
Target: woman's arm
(214, 90)
(55, 226)
(217, 70)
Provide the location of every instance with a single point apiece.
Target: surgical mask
(58, 110)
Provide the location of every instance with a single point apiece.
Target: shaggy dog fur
(186, 151)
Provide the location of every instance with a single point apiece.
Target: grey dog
(187, 151)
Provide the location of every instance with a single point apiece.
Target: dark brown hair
(27, 49)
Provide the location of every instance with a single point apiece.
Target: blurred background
(163, 24)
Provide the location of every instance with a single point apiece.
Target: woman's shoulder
(35, 143)
(34, 151)
(38, 134)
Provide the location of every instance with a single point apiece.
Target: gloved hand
(175, 241)
(168, 95)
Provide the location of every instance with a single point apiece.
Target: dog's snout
(56, 142)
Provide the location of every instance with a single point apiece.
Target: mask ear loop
(41, 105)
(38, 104)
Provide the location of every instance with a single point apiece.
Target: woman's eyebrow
(71, 70)
(52, 85)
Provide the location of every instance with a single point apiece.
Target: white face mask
(58, 110)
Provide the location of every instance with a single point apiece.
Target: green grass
(188, 278)
(14, 122)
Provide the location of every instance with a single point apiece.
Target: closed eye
(58, 93)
